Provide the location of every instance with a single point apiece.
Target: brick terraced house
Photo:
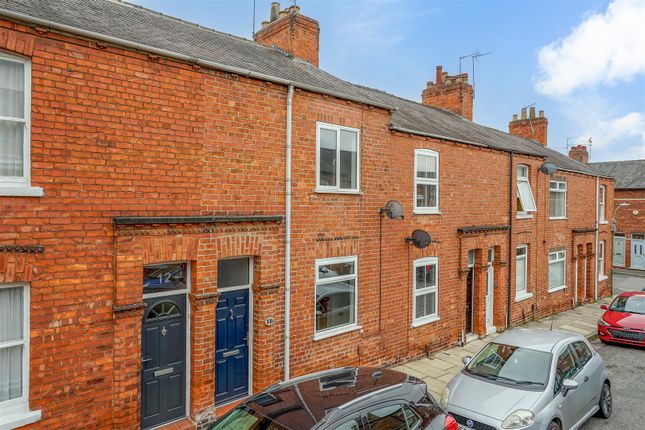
(629, 214)
(170, 195)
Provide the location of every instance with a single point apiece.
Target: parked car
(624, 320)
(341, 399)
(530, 379)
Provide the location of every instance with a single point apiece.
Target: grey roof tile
(629, 174)
(142, 26)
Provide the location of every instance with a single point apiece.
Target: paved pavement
(626, 368)
(439, 369)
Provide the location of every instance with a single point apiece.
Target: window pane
(12, 89)
(348, 159)
(335, 304)
(425, 305)
(426, 167)
(565, 369)
(233, 272)
(413, 419)
(349, 425)
(327, 157)
(557, 204)
(11, 314)
(522, 171)
(164, 277)
(556, 274)
(11, 148)
(426, 195)
(10, 373)
(526, 196)
(335, 269)
(426, 276)
(520, 275)
(387, 418)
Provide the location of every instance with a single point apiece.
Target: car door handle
(586, 378)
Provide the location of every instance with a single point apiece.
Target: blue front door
(232, 346)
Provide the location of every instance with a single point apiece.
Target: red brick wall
(117, 133)
(629, 219)
(534, 128)
(294, 33)
(452, 93)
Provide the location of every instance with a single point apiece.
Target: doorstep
(182, 424)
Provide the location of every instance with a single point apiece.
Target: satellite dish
(393, 209)
(420, 239)
(548, 168)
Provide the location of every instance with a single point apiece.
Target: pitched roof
(119, 22)
(629, 174)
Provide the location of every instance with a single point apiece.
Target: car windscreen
(631, 304)
(512, 365)
(244, 418)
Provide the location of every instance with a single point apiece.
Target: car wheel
(606, 402)
(554, 426)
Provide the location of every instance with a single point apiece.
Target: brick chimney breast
(291, 32)
(452, 93)
(530, 126)
(579, 153)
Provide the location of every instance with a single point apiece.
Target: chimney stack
(530, 126)
(579, 153)
(291, 32)
(452, 93)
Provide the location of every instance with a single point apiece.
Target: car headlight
(519, 419)
(444, 397)
(604, 323)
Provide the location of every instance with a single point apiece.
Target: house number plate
(167, 371)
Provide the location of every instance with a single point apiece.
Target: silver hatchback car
(530, 379)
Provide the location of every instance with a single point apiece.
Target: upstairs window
(525, 202)
(426, 181)
(338, 161)
(558, 198)
(601, 203)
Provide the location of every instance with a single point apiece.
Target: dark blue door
(163, 374)
(232, 346)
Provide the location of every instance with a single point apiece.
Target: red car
(624, 320)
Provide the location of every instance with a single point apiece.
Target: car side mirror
(569, 385)
(466, 360)
(604, 307)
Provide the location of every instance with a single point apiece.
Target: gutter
(287, 242)
(186, 58)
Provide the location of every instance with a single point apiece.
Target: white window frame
(602, 196)
(524, 178)
(558, 190)
(524, 293)
(601, 261)
(336, 189)
(425, 181)
(15, 412)
(561, 256)
(421, 262)
(323, 334)
(21, 186)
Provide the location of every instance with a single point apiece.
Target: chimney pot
(541, 114)
(523, 113)
(275, 11)
(532, 112)
(265, 23)
(514, 117)
(439, 75)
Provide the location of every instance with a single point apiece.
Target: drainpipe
(510, 238)
(595, 277)
(575, 291)
(287, 242)
(584, 299)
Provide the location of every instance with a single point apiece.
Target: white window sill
(603, 222)
(523, 216)
(23, 191)
(424, 321)
(421, 211)
(334, 332)
(563, 287)
(523, 296)
(18, 417)
(603, 277)
(338, 191)
(555, 218)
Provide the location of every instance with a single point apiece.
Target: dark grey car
(341, 399)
